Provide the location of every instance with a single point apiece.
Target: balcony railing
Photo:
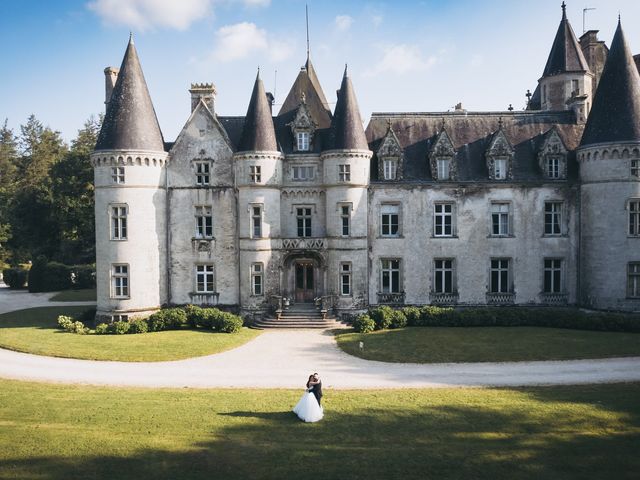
(500, 298)
(198, 298)
(303, 243)
(391, 298)
(554, 298)
(441, 298)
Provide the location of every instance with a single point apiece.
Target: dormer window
(444, 169)
(635, 168)
(303, 141)
(442, 158)
(500, 169)
(390, 166)
(552, 157)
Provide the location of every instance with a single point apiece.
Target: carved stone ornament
(553, 147)
(499, 148)
(390, 150)
(303, 122)
(442, 149)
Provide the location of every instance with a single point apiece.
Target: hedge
(15, 277)
(432, 316)
(47, 276)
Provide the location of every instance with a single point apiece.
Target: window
(443, 275)
(633, 289)
(345, 278)
(553, 167)
(303, 141)
(500, 168)
(552, 275)
(256, 221)
(634, 218)
(119, 318)
(204, 279)
(635, 168)
(390, 221)
(256, 279)
(119, 222)
(500, 219)
(120, 281)
(255, 175)
(117, 174)
(345, 218)
(344, 173)
(444, 170)
(204, 222)
(303, 172)
(499, 275)
(575, 87)
(443, 220)
(390, 275)
(202, 173)
(552, 218)
(304, 221)
(390, 168)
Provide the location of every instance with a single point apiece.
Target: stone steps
(299, 317)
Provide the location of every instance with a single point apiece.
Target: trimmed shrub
(120, 327)
(83, 276)
(138, 325)
(79, 328)
(65, 322)
(15, 277)
(382, 317)
(167, 319)
(102, 329)
(364, 324)
(227, 322)
(71, 325)
(412, 314)
(398, 319)
(49, 277)
(195, 315)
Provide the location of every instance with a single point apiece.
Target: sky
(403, 56)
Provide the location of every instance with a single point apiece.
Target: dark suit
(317, 391)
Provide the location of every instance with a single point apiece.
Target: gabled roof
(566, 54)
(307, 83)
(347, 132)
(258, 133)
(130, 122)
(615, 114)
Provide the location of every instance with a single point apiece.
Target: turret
(258, 173)
(129, 161)
(609, 158)
(566, 83)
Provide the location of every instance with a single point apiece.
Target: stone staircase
(302, 315)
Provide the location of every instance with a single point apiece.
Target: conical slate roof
(346, 129)
(566, 54)
(307, 82)
(615, 114)
(258, 133)
(130, 122)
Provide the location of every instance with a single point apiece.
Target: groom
(316, 388)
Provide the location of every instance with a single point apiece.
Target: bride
(308, 408)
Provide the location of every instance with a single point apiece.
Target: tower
(609, 158)
(346, 173)
(258, 176)
(566, 83)
(130, 200)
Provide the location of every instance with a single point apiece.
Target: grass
(79, 432)
(35, 331)
(84, 295)
(487, 344)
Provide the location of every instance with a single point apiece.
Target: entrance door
(304, 282)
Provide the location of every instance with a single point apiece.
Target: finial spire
(564, 11)
(500, 123)
(345, 71)
(306, 11)
(130, 37)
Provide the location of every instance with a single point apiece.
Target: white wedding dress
(308, 409)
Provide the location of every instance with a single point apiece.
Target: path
(283, 359)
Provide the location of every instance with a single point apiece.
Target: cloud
(343, 22)
(401, 59)
(376, 19)
(145, 14)
(243, 39)
(476, 60)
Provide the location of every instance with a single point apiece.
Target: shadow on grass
(547, 441)
(40, 317)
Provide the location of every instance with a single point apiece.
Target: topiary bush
(138, 325)
(226, 322)
(364, 324)
(15, 278)
(49, 276)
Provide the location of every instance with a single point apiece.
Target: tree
(8, 157)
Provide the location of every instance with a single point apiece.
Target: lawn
(79, 432)
(35, 331)
(85, 295)
(487, 344)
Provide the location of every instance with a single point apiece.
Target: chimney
(110, 77)
(204, 91)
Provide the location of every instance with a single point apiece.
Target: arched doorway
(304, 277)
